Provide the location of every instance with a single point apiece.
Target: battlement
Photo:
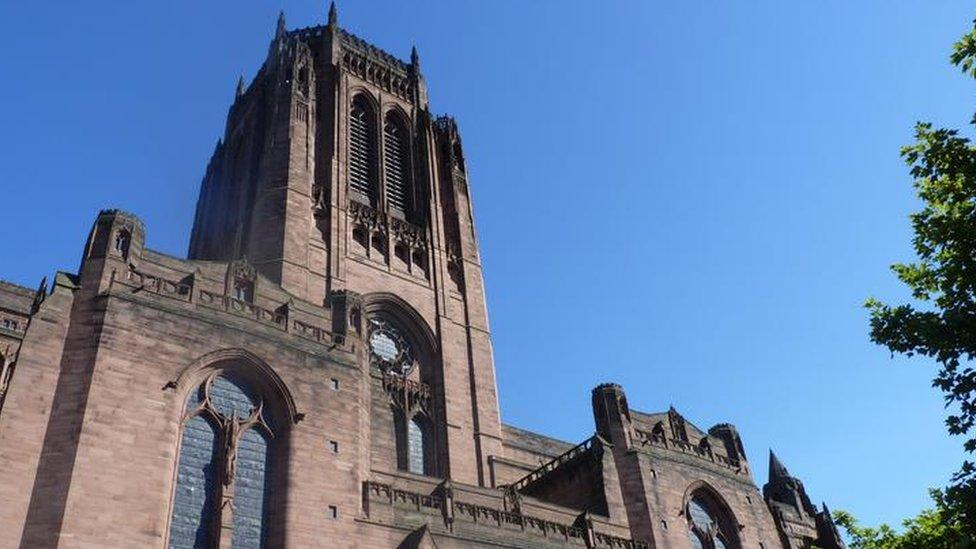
(362, 47)
(194, 289)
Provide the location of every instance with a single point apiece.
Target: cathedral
(318, 371)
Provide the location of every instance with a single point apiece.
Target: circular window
(384, 346)
(388, 349)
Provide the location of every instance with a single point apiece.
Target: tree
(938, 528)
(941, 323)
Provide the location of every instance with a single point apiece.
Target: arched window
(225, 457)
(402, 358)
(362, 149)
(709, 525)
(417, 441)
(396, 162)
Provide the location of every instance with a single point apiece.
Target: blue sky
(692, 199)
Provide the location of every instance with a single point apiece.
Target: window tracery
(389, 350)
(400, 354)
(224, 463)
(709, 526)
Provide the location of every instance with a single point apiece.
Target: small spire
(333, 14)
(240, 86)
(776, 467)
(280, 30)
(39, 296)
(414, 59)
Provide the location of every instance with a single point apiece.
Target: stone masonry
(333, 287)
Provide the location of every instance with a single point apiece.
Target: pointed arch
(397, 330)
(711, 522)
(235, 417)
(252, 369)
(406, 318)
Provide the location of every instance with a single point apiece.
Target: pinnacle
(776, 467)
(333, 14)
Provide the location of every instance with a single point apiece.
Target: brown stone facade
(318, 372)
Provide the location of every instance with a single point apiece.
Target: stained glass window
(384, 346)
(708, 527)
(415, 446)
(222, 436)
(194, 504)
(700, 515)
(231, 398)
(250, 490)
(388, 349)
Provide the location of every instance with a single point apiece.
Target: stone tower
(334, 181)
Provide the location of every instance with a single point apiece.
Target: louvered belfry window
(396, 163)
(362, 149)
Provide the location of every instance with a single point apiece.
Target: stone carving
(367, 216)
(243, 270)
(232, 431)
(409, 234)
(406, 394)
